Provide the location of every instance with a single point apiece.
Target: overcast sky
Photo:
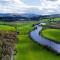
(21, 6)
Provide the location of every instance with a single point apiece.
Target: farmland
(52, 34)
(26, 48)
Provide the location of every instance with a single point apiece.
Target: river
(45, 42)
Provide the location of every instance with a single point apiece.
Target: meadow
(26, 48)
(52, 34)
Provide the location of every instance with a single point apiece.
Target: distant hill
(26, 16)
(13, 17)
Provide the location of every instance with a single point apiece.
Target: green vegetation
(53, 34)
(7, 41)
(50, 20)
(7, 28)
(27, 49)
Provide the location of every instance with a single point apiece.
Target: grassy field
(53, 34)
(48, 20)
(27, 49)
(7, 28)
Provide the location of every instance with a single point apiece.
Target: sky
(43, 7)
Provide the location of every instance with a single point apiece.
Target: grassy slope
(53, 34)
(28, 49)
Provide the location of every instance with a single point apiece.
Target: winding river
(45, 42)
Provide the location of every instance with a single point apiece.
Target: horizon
(28, 13)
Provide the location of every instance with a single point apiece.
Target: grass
(47, 20)
(7, 28)
(27, 49)
(53, 34)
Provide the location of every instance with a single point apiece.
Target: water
(39, 39)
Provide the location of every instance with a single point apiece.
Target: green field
(53, 34)
(7, 28)
(26, 48)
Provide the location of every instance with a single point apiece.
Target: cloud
(12, 6)
(21, 6)
(51, 0)
(50, 7)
